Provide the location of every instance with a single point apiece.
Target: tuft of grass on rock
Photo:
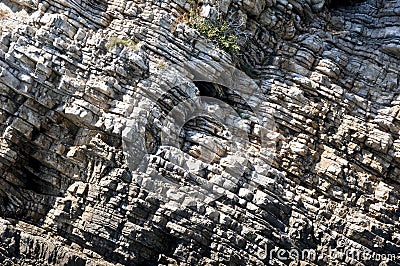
(114, 42)
(162, 64)
(3, 14)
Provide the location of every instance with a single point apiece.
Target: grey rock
(169, 150)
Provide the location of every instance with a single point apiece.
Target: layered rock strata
(88, 88)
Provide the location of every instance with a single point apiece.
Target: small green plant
(192, 3)
(218, 31)
(114, 42)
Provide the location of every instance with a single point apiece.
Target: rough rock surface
(328, 77)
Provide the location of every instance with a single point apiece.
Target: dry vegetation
(3, 14)
(114, 42)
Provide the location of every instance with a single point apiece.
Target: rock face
(127, 138)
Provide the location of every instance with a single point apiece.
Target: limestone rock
(129, 138)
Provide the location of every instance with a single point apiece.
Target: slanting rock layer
(106, 160)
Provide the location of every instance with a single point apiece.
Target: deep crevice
(340, 4)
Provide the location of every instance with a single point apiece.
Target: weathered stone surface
(303, 156)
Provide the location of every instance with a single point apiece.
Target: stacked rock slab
(328, 78)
